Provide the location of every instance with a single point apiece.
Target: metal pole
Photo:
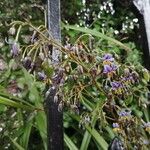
(54, 116)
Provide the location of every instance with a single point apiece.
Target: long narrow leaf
(6, 101)
(26, 135)
(98, 138)
(86, 140)
(17, 145)
(97, 34)
(88, 135)
(69, 143)
(11, 97)
(41, 127)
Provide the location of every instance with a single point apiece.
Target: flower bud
(15, 49)
(27, 62)
(12, 31)
(41, 75)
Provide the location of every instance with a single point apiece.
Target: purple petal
(108, 57)
(114, 67)
(107, 69)
(125, 113)
(115, 125)
(115, 85)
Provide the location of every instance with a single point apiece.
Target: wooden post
(54, 116)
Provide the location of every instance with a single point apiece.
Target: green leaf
(41, 126)
(17, 145)
(87, 104)
(97, 34)
(110, 131)
(26, 134)
(146, 75)
(2, 108)
(129, 100)
(13, 98)
(86, 140)
(92, 132)
(9, 102)
(98, 138)
(47, 69)
(28, 77)
(146, 114)
(87, 136)
(69, 143)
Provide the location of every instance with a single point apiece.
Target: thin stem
(17, 36)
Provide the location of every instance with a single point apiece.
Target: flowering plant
(95, 85)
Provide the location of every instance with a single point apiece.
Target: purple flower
(115, 125)
(128, 79)
(147, 125)
(116, 85)
(125, 113)
(15, 49)
(108, 57)
(109, 68)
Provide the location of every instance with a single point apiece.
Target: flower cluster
(117, 87)
(125, 115)
(124, 120)
(109, 65)
(119, 81)
(85, 120)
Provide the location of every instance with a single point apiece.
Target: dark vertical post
(143, 8)
(53, 8)
(54, 116)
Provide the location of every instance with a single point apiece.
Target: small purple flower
(109, 68)
(42, 75)
(125, 113)
(146, 142)
(15, 49)
(128, 79)
(116, 85)
(147, 125)
(108, 57)
(115, 125)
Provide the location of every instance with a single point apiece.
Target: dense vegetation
(103, 86)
